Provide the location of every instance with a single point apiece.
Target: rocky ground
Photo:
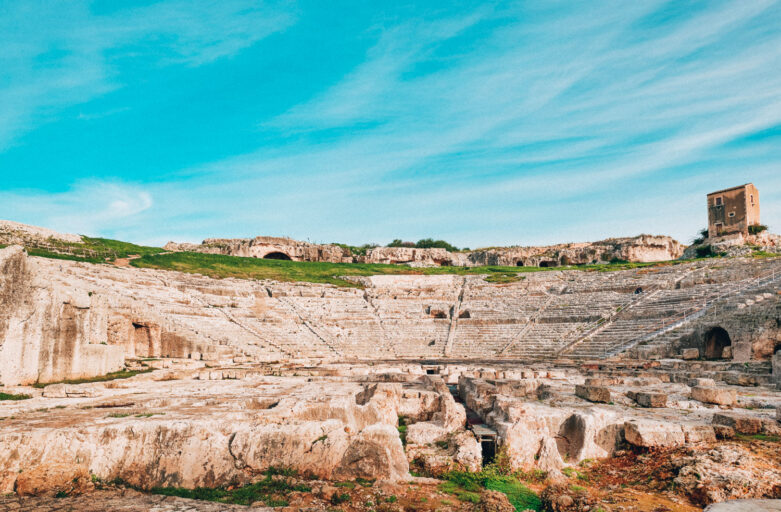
(387, 437)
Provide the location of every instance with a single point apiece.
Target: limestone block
(690, 353)
(653, 434)
(425, 432)
(648, 399)
(740, 379)
(593, 393)
(718, 396)
(549, 459)
(703, 383)
(468, 451)
(698, 433)
(741, 423)
(726, 353)
(53, 478)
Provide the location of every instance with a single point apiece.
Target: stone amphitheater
(649, 389)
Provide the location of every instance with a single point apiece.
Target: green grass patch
(764, 254)
(11, 396)
(402, 434)
(759, 437)
(122, 374)
(467, 487)
(270, 491)
(92, 250)
(221, 266)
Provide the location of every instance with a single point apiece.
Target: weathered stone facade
(733, 210)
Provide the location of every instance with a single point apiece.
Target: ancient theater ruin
(130, 386)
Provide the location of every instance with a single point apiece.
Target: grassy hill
(103, 250)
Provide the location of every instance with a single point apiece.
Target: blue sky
(480, 123)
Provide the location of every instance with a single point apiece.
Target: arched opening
(639, 290)
(716, 339)
(547, 264)
(519, 263)
(465, 314)
(276, 256)
(565, 261)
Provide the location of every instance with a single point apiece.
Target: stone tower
(733, 210)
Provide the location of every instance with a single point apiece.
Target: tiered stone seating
(573, 314)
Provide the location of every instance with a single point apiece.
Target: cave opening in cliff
(548, 264)
(277, 256)
(519, 263)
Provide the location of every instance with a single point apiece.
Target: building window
(719, 201)
(731, 214)
(752, 198)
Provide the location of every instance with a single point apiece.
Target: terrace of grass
(221, 266)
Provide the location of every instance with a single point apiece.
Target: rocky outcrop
(414, 257)
(15, 233)
(49, 333)
(726, 472)
(338, 437)
(267, 247)
(643, 248)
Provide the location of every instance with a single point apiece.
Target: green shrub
(338, 499)
(706, 251)
(756, 229)
(424, 243)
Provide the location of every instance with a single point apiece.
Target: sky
(481, 123)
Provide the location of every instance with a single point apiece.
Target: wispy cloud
(88, 208)
(55, 54)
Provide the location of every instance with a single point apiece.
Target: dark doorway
(488, 447)
(715, 341)
(547, 264)
(638, 291)
(519, 263)
(276, 256)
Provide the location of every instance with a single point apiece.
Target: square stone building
(733, 210)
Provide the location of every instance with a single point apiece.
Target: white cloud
(55, 54)
(88, 208)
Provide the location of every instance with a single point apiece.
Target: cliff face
(267, 247)
(643, 248)
(48, 333)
